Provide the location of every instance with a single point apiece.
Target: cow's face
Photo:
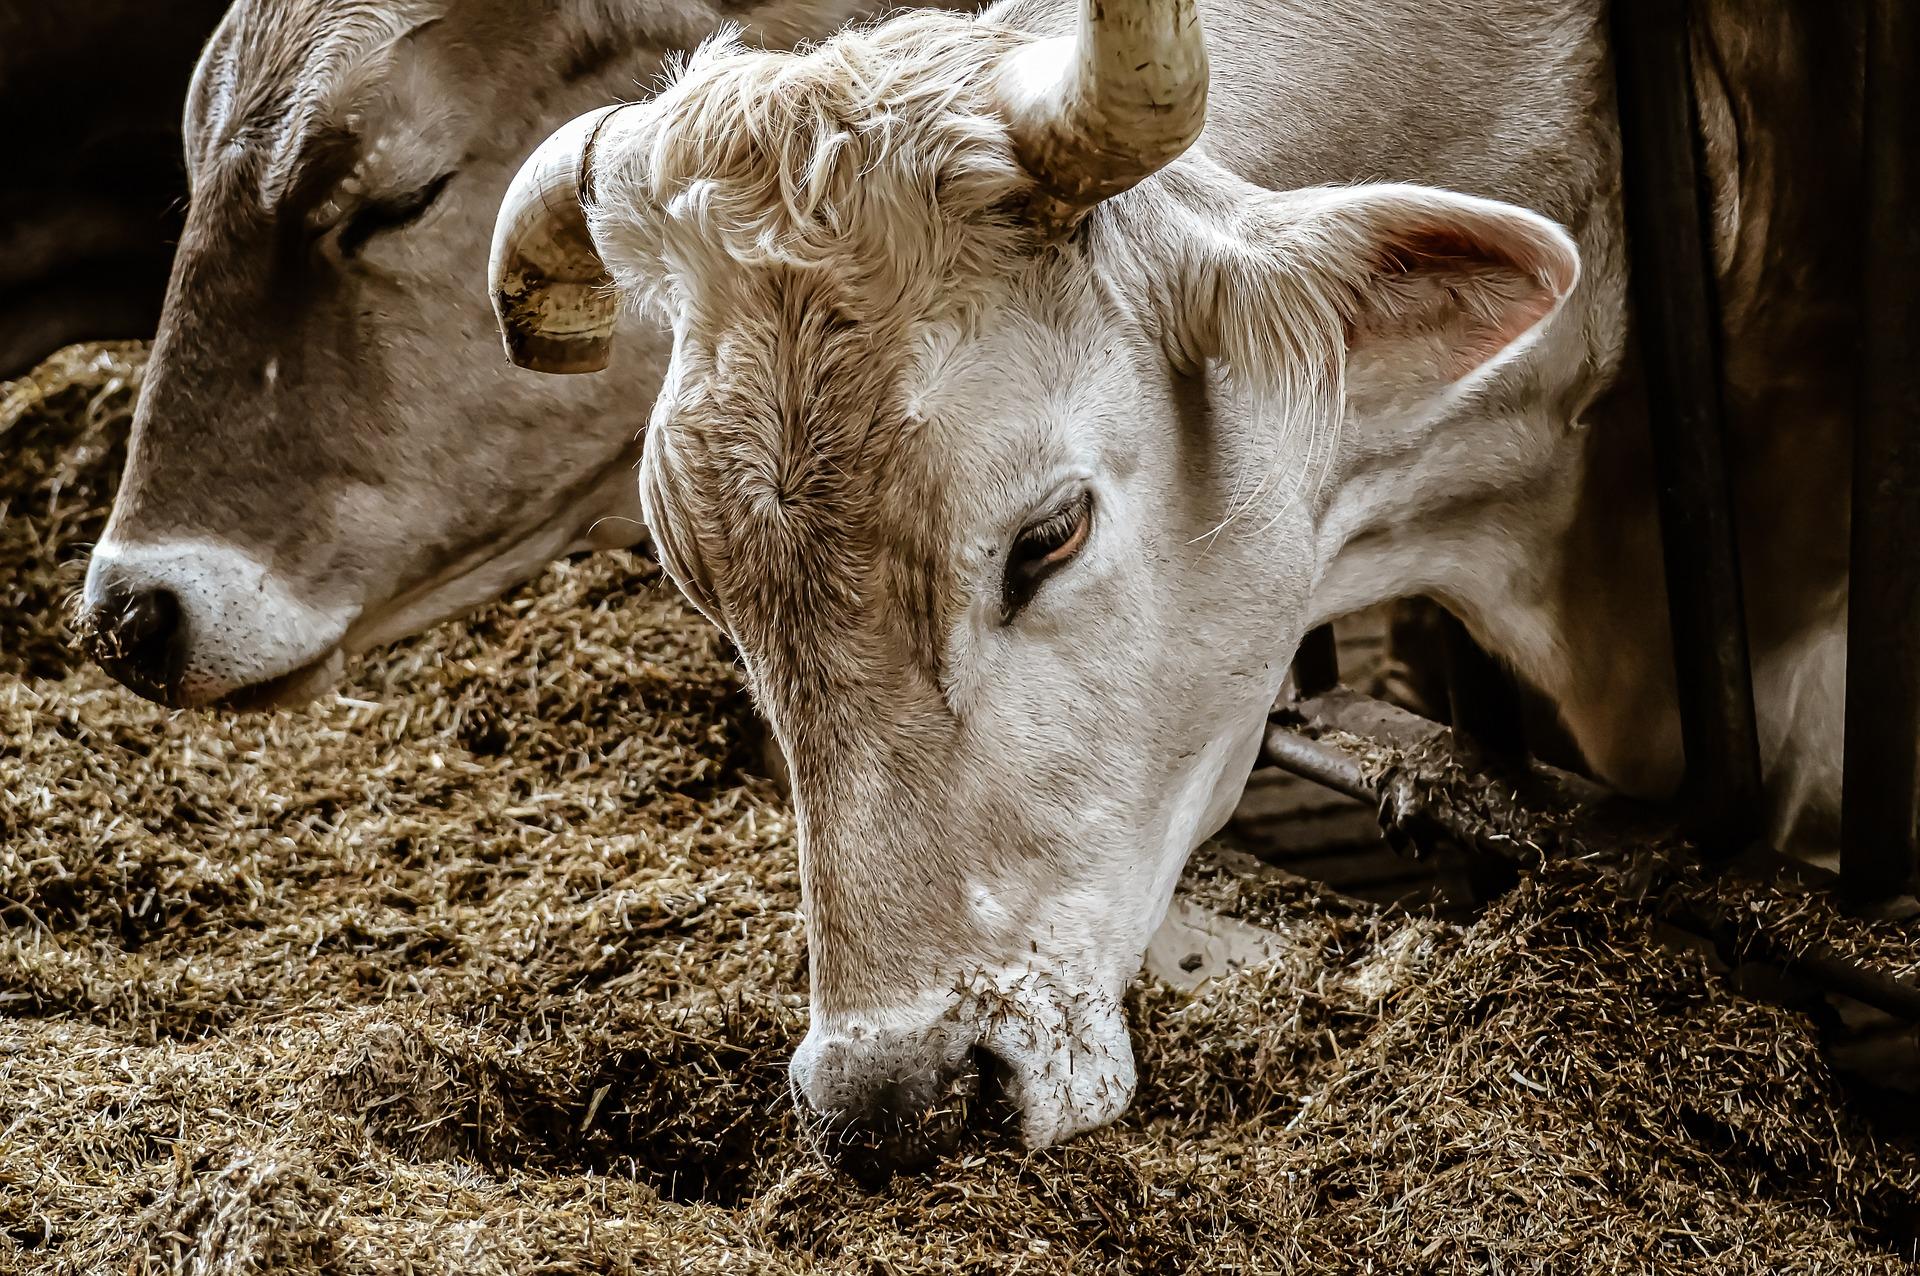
(974, 573)
(1016, 527)
(330, 450)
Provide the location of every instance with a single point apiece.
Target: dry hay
(492, 966)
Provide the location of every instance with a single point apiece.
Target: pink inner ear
(1501, 286)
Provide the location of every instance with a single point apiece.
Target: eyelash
(1052, 530)
(1027, 565)
(377, 218)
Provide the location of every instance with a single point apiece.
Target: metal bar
(1338, 740)
(1316, 666)
(1881, 792)
(1351, 713)
(1678, 339)
(1864, 984)
(1320, 762)
(1817, 964)
(1482, 698)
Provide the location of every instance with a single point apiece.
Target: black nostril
(993, 1109)
(903, 1125)
(147, 622)
(133, 635)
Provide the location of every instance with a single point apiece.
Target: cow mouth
(440, 598)
(288, 690)
(434, 601)
(488, 569)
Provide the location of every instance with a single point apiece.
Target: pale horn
(1093, 114)
(552, 297)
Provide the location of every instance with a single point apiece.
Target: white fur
(243, 626)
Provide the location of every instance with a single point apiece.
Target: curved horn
(1122, 98)
(552, 296)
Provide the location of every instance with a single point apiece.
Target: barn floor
(491, 965)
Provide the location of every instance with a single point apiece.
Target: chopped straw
(491, 965)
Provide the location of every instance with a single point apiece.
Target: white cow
(1026, 407)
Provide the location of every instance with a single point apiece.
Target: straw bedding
(492, 965)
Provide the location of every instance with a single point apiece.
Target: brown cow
(329, 452)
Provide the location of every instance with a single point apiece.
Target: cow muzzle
(196, 623)
(888, 1102)
(1015, 1055)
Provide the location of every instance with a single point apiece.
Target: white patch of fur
(816, 161)
(1068, 1062)
(243, 626)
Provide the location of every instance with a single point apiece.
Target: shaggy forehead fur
(791, 478)
(877, 159)
(809, 222)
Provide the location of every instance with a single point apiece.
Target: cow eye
(378, 216)
(1042, 548)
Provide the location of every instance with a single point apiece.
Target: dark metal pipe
(1322, 763)
(1882, 786)
(1572, 816)
(1678, 336)
(1834, 973)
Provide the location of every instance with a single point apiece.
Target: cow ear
(1433, 290)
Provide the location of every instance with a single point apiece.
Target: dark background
(93, 191)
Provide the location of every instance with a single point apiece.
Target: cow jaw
(252, 638)
(307, 683)
(607, 519)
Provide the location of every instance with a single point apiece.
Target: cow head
(329, 451)
(1015, 480)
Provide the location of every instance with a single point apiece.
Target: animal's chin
(289, 690)
(407, 614)
(454, 592)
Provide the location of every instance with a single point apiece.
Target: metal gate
(1495, 802)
